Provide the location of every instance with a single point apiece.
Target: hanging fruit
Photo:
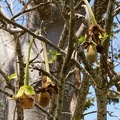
(91, 54)
(44, 98)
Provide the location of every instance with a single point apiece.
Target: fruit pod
(91, 54)
(44, 99)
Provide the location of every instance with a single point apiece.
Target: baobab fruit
(44, 99)
(91, 54)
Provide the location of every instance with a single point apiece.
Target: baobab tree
(54, 54)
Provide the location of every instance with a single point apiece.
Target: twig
(88, 70)
(118, 20)
(34, 58)
(33, 34)
(25, 11)
(69, 83)
(114, 80)
(5, 92)
(110, 114)
(8, 4)
(89, 113)
(9, 85)
(108, 23)
(78, 5)
(63, 37)
(70, 39)
(44, 111)
(70, 73)
(117, 10)
(47, 74)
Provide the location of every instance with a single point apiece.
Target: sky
(16, 7)
(116, 108)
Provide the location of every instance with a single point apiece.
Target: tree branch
(108, 23)
(32, 33)
(9, 85)
(67, 59)
(47, 74)
(28, 10)
(5, 92)
(114, 80)
(20, 61)
(44, 111)
(81, 98)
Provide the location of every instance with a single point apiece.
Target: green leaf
(53, 54)
(57, 53)
(104, 37)
(44, 29)
(12, 76)
(81, 39)
(89, 103)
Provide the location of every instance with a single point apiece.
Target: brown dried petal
(27, 103)
(52, 88)
(95, 29)
(48, 86)
(101, 31)
(96, 39)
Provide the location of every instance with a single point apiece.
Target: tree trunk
(7, 47)
(101, 104)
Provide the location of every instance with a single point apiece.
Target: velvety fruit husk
(44, 99)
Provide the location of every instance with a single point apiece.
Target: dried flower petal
(48, 86)
(27, 103)
(94, 31)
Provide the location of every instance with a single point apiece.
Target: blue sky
(112, 108)
(16, 7)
